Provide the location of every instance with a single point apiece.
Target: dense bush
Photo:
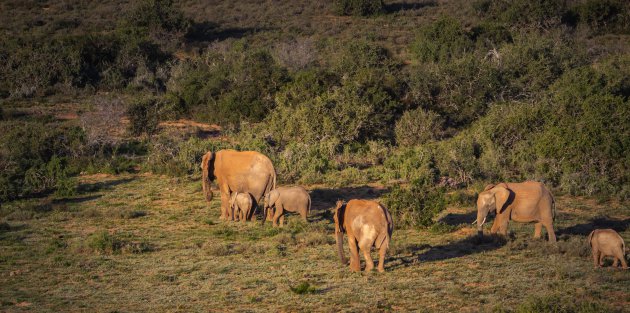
(35, 159)
(227, 87)
(441, 41)
(358, 7)
(416, 206)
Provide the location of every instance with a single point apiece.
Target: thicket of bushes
(511, 95)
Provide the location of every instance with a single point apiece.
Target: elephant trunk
(339, 240)
(481, 219)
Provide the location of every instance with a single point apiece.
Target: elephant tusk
(474, 222)
(484, 221)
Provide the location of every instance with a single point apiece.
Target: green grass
(180, 257)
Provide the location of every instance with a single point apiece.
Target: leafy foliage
(358, 7)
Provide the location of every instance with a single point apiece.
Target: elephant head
(207, 174)
(340, 210)
(269, 200)
(491, 199)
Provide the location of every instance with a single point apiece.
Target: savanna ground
(133, 243)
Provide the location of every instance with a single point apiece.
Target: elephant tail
(386, 237)
(553, 208)
(590, 238)
(309, 205)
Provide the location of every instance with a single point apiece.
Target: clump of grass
(317, 239)
(303, 288)
(224, 232)
(558, 305)
(105, 243)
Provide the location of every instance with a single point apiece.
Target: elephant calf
(607, 242)
(367, 223)
(241, 204)
(292, 199)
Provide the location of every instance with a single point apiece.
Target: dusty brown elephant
(367, 223)
(241, 204)
(607, 242)
(240, 171)
(293, 199)
(521, 202)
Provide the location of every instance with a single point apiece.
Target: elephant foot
(381, 270)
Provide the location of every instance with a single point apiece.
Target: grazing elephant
(607, 242)
(241, 204)
(241, 171)
(367, 223)
(521, 202)
(293, 199)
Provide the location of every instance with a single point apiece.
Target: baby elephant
(292, 199)
(367, 223)
(241, 205)
(607, 242)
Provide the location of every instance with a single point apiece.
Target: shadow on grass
(454, 219)
(404, 5)
(595, 223)
(76, 199)
(104, 185)
(467, 246)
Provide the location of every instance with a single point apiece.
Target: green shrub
(303, 288)
(416, 206)
(358, 7)
(144, 115)
(418, 126)
(411, 164)
(604, 16)
(228, 88)
(441, 41)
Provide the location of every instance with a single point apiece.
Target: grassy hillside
(106, 108)
(146, 242)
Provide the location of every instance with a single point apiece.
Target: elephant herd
(245, 178)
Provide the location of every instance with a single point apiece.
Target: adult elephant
(237, 171)
(521, 202)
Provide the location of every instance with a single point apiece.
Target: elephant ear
(207, 173)
(339, 216)
(488, 187)
(501, 197)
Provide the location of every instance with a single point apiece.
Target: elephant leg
(276, 216)
(304, 213)
(381, 257)
(601, 259)
(615, 262)
(243, 216)
(282, 220)
(355, 263)
(537, 230)
(620, 257)
(495, 226)
(550, 232)
(369, 264)
(595, 258)
(225, 210)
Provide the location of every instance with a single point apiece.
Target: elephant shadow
(103, 185)
(463, 247)
(323, 199)
(454, 219)
(599, 222)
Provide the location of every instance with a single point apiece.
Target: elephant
(607, 242)
(240, 171)
(521, 202)
(292, 199)
(241, 205)
(367, 223)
